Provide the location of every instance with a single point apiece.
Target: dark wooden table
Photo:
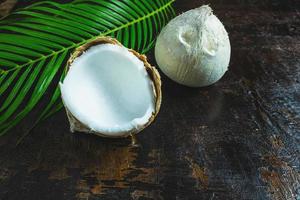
(238, 139)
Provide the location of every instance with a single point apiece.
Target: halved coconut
(110, 90)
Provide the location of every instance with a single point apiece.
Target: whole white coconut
(194, 48)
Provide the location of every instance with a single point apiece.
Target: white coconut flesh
(108, 90)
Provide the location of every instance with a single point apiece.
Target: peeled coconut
(193, 49)
(110, 90)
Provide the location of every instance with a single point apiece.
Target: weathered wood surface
(6, 6)
(238, 139)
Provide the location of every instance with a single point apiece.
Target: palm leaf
(36, 41)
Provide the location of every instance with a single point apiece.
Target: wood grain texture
(238, 139)
(6, 6)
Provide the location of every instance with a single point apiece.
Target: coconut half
(110, 90)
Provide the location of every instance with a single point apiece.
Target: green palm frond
(36, 41)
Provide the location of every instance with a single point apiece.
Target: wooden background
(238, 139)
